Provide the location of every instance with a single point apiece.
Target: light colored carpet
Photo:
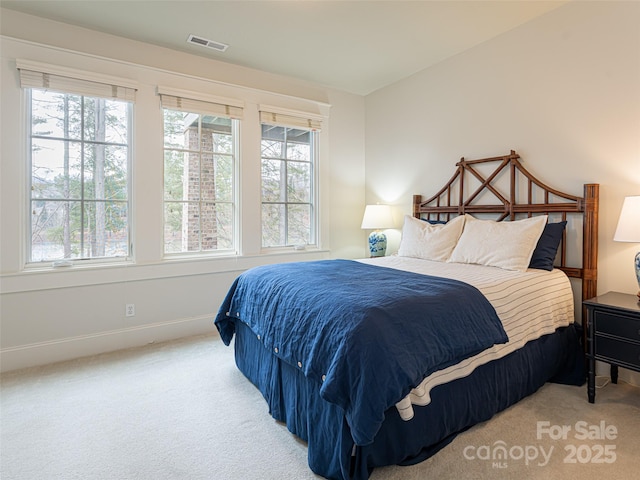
(181, 410)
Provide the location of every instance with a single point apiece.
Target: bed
(384, 361)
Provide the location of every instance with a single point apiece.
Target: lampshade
(377, 217)
(629, 222)
(628, 229)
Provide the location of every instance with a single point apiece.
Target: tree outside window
(287, 186)
(79, 181)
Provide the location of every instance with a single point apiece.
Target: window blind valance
(293, 119)
(60, 79)
(198, 106)
(185, 101)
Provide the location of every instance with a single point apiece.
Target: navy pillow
(435, 222)
(547, 247)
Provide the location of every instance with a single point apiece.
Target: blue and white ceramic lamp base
(377, 244)
(638, 272)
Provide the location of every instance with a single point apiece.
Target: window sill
(59, 266)
(37, 277)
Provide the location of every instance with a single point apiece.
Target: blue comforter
(367, 334)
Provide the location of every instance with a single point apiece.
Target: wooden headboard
(519, 194)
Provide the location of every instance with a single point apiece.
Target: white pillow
(507, 245)
(432, 242)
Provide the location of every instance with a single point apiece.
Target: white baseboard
(42, 353)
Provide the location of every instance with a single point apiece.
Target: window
(79, 150)
(200, 148)
(289, 156)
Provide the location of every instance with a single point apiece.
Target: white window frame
(204, 104)
(43, 76)
(271, 115)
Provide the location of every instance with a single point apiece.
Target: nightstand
(613, 335)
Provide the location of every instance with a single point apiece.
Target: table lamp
(376, 218)
(628, 229)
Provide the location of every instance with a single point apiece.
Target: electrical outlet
(130, 310)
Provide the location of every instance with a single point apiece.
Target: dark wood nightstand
(613, 335)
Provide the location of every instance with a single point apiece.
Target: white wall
(51, 315)
(562, 90)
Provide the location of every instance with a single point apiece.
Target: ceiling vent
(203, 42)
